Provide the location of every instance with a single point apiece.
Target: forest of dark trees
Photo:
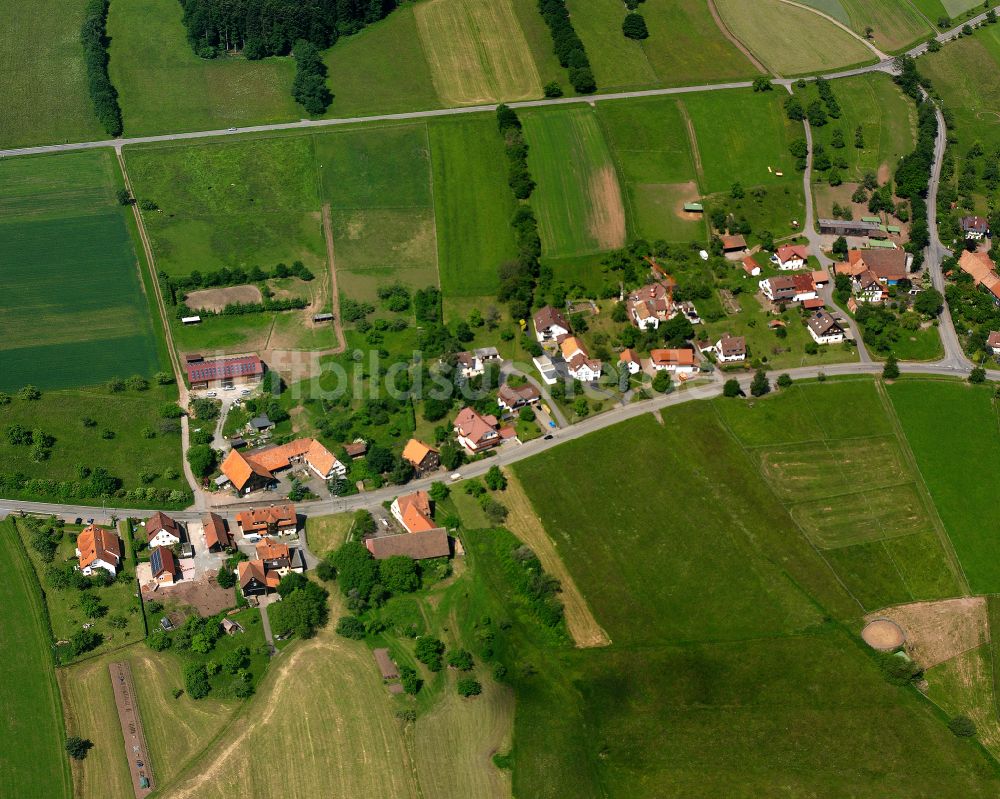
(261, 28)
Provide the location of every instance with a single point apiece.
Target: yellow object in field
(524, 325)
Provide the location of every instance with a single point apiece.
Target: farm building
(550, 325)
(824, 328)
(217, 535)
(983, 271)
(889, 266)
(322, 317)
(413, 511)
(694, 208)
(224, 372)
(850, 227)
(253, 470)
(162, 531)
(163, 566)
(732, 244)
(244, 474)
(356, 449)
(280, 519)
(867, 287)
(98, 548)
(423, 457)
(427, 544)
(750, 266)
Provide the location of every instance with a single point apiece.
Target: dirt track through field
(692, 143)
(736, 42)
(607, 214)
(525, 524)
(338, 327)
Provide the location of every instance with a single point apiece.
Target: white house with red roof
(790, 256)
(476, 432)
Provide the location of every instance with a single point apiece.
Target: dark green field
(33, 763)
(735, 669)
(72, 310)
(958, 474)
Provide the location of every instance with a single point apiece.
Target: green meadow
(33, 763)
(72, 309)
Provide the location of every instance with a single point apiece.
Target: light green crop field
(473, 204)
(578, 200)
(649, 141)
(33, 763)
(856, 496)
(791, 40)
(888, 121)
(43, 80)
(380, 69)
(72, 311)
(800, 706)
(378, 183)
(476, 51)
(895, 24)
(957, 473)
(167, 88)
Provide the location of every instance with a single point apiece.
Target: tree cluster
(237, 276)
(94, 37)
(302, 609)
(524, 570)
(261, 28)
(367, 582)
(309, 88)
(568, 46)
(634, 27)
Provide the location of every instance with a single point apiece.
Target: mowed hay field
(472, 202)
(476, 51)
(72, 309)
(685, 46)
(650, 144)
(378, 184)
(720, 662)
(887, 117)
(791, 40)
(33, 763)
(167, 88)
(895, 24)
(578, 200)
(43, 80)
(952, 429)
(851, 488)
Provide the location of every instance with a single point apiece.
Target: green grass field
(578, 200)
(44, 83)
(886, 116)
(676, 706)
(472, 204)
(854, 494)
(791, 40)
(649, 141)
(476, 51)
(963, 495)
(895, 25)
(168, 88)
(72, 310)
(33, 763)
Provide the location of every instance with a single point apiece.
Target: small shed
(385, 664)
(694, 208)
(261, 423)
(230, 627)
(323, 317)
(191, 320)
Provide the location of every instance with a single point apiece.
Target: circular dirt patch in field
(883, 634)
(217, 299)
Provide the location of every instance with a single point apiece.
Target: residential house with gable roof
(679, 361)
(550, 325)
(274, 519)
(790, 256)
(99, 548)
(824, 328)
(162, 531)
(983, 271)
(730, 349)
(413, 511)
(422, 457)
(511, 398)
(476, 432)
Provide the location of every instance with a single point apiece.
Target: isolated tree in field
(962, 726)
(428, 650)
(784, 381)
(977, 375)
(468, 686)
(552, 89)
(78, 747)
(794, 109)
(309, 87)
(634, 27)
(891, 369)
(124, 198)
(762, 84)
(351, 627)
(30, 393)
(495, 479)
(732, 388)
(760, 385)
(460, 659)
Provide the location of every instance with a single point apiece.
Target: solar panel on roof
(156, 560)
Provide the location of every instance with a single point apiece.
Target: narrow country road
(884, 65)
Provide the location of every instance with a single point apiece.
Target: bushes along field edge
(94, 37)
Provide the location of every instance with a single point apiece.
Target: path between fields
(736, 42)
(338, 328)
(870, 45)
(693, 140)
